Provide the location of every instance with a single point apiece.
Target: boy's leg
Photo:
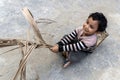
(65, 54)
(77, 56)
(74, 57)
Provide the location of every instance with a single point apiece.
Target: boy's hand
(55, 48)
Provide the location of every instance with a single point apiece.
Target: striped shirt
(75, 42)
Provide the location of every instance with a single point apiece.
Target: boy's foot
(66, 63)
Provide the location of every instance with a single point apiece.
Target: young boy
(82, 39)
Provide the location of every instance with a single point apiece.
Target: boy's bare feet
(66, 63)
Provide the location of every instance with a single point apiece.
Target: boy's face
(90, 26)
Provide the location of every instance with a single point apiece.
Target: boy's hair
(102, 20)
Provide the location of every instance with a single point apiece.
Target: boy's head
(102, 21)
(96, 22)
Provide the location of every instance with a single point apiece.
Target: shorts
(77, 56)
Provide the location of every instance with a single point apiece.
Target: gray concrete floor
(102, 64)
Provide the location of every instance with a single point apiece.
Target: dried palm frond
(22, 66)
(44, 20)
(23, 61)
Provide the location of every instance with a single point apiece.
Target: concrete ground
(102, 64)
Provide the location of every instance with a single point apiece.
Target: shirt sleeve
(83, 44)
(73, 47)
(68, 38)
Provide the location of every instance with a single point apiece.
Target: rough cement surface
(102, 64)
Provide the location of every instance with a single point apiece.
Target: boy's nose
(87, 26)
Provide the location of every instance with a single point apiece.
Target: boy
(82, 39)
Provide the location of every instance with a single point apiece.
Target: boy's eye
(87, 22)
(91, 27)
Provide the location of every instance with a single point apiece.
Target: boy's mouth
(85, 30)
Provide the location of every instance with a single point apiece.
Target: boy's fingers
(51, 49)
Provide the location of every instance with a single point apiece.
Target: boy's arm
(65, 40)
(68, 38)
(73, 47)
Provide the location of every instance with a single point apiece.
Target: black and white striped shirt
(68, 42)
